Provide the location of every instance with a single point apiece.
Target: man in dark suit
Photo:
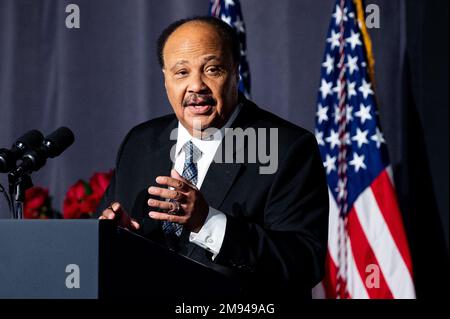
(264, 216)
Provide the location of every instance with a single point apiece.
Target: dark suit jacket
(277, 225)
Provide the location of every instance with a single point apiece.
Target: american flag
(230, 12)
(368, 254)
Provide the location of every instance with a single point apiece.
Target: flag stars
(330, 163)
(360, 137)
(333, 139)
(365, 89)
(352, 64)
(378, 137)
(239, 25)
(226, 19)
(329, 64)
(346, 139)
(319, 137)
(351, 89)
(353, 39)
(322, 113)
(228, 3)
(364, 113)
(340, 189)
(334, 39)
(325, 88)
(349, 113)
(357, 162)
(338, 88)
(336, 114)
(338, 15)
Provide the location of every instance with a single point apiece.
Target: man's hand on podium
(116, 213)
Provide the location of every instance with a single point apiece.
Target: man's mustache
(199, 99)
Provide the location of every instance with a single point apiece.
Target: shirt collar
(183, 135)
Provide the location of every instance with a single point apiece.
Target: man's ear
(164, 74)
(237, 76)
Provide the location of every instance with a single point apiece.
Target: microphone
(53, 145)
(26, 142)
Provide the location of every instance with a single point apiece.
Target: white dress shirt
(210, 236)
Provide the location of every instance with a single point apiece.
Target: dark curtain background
(102, 79)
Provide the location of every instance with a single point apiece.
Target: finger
(174, 174)
(172, 182)
(166, 193)
(116, 208)
(161, 204)
(135, 224)
(112, 211)
(167, 217)
(108, 214)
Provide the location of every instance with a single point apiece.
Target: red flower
(74, 205)
(36, 203)
(83, 198)
(99, 183)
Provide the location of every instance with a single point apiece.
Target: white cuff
(210, 236)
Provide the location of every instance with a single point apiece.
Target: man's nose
(197, 85)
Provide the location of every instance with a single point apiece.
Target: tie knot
(192, 152)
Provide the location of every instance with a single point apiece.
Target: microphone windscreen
(31, 139)
(59, 141)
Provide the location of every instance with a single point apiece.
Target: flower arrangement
(37, 204)
(82, 198)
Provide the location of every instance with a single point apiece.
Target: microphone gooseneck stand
(17, 187)
(3, 191)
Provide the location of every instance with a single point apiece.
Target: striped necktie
(190, 173)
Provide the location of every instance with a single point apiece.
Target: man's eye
(213, 71)
(181, 73)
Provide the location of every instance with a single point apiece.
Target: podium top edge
(91, 221)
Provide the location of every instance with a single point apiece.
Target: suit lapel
(162, 157)
(218, 180)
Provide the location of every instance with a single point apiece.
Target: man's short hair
(226, 33)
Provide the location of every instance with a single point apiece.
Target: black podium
(91, 259)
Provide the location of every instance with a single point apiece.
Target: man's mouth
(199, 109)
(199, 104)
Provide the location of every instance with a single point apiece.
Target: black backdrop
(102, 79)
